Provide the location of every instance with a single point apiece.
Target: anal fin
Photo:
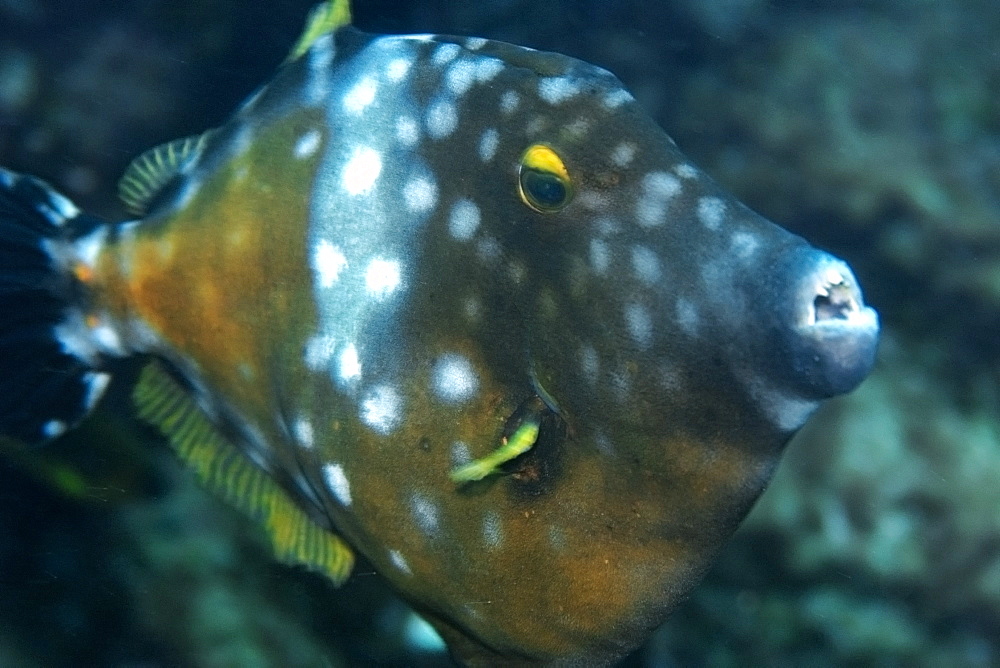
(224, 470)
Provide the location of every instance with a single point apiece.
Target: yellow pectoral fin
(519, 442)
(222, 468)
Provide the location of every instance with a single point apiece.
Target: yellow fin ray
(146, 176)
(223, 469)
(326, 17)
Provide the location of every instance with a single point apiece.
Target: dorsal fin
(150, 172)
(223, 469)
(326, 17)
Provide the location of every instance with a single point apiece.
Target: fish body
(406, 255)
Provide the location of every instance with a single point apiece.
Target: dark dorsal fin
(147, 175)
(223, 469)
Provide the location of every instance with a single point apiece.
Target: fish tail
(52, 357)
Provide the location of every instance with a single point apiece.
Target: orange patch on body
(214, 278)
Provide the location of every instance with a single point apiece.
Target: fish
(458, 306)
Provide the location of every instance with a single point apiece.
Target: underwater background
(870, 127)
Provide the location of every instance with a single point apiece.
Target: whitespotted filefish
(455, 305)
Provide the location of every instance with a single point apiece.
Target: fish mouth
(832, 334)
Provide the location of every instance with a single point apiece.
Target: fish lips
(827, 335)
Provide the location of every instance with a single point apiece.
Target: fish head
(537, 265)
(652, 302)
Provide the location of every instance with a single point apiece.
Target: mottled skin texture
(645, 309)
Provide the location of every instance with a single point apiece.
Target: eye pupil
(544, 183)
(546, 190)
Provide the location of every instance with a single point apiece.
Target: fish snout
(831, 336)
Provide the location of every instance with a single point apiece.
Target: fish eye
(543, 181)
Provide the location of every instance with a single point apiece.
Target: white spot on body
(646, 265)
(460, 77)
(658, 188)
(685, 171)
(744, 244)
(472, 309)
(454, 379)
(600, 256)
(464, 219)
(349, 363)
(639, 324)
(557, 89)
(557, 538)
(425, 513)
(302, 430)
(420, 194)
(607, 226)
(711, 211)
(509, 101)
(442, 119)
(336, 480)
(592, 200)
(319, 350)
(623, 154)
(488, 249)
(445, 53)
(397, 69)
(407, 131)
(578, 128)
(361, 171)
(397, 559)
(617, 98)
(382, 409)
(475, 43)
(328, 262)
(382, 277)
(687, 316)
(589, 363)
(517, 271)
(307, 144)
(460, 455)
(360, 96)
(488, 68)
(492, 531)
(488, 143)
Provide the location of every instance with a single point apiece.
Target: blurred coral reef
(870, 127)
